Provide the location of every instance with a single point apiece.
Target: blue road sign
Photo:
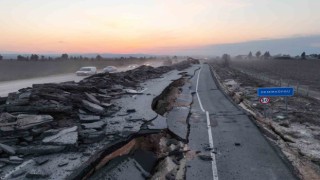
(275, 91)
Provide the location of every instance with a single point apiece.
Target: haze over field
(184, 27)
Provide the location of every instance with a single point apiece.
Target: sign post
(276, 92)
(264, 100)
(286, 99)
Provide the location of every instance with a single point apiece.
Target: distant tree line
(65, 56)
(267, 55)
(226, 60)
(259, 55)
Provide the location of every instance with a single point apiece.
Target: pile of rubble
(51, 118)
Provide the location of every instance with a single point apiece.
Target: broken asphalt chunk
(2, 165)
(40, 149)
(134, 119)
(67, 136)
(64, 163)
(25, 121)
(88, 118)
(91, 98)
(18, 173)
(205, 157)
(7, 118)
(15, 158)
(7, 161)
(37, 173)
(93, 107)
(177, 122)
(42, 109)
(41, 160)
(106, 104)
(95, 125)
(14, 99)
(8, 149)
(131, 111)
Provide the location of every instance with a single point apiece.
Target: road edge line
(213, 156)
(197, 91)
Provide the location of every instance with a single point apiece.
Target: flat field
(304, 72)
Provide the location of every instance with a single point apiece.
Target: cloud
(293, 46)
(233, 4)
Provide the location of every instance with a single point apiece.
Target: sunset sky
(148, 26)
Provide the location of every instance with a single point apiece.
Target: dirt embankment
(295, 132)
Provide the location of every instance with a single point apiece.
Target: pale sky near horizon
(131, 26)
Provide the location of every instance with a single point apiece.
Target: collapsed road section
(77, 130)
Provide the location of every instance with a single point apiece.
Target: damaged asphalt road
(66, 130)
(146, 123)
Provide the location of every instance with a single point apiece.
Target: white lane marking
(213, 156)
(198, 93)
(143, 90)
(134, 96)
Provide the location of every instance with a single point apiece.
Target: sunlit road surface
(13, 86)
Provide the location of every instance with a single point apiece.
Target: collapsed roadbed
(71, 130)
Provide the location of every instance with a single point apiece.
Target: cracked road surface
(237, 148)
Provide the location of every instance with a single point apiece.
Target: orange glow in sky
(126, 26)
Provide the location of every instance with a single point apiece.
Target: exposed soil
(166, 100)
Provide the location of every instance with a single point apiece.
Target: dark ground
(306, 72)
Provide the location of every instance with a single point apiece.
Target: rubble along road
(7, 87)
(70, 130)
(236, 148)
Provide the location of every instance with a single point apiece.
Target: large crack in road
(75, 130)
